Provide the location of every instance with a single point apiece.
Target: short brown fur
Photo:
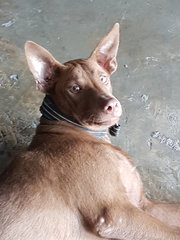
(69, 184)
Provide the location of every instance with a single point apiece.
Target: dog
(72, 183)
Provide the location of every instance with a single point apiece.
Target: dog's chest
(130, 180)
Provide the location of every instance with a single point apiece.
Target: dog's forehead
(76, 71)
(82, 67)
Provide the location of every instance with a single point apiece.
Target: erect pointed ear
(106, 51)
(42, 65)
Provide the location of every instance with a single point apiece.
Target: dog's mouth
(95, 124)
(87, 119)
(98, 123)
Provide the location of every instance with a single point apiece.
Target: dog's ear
(42, 65)
(106, 51)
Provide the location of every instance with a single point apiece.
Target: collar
(50, 112)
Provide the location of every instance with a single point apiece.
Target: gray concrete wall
(147, 81)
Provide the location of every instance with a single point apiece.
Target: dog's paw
(103, 228)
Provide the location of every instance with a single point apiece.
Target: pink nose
(112, 106)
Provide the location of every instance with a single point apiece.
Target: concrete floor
(147, 81)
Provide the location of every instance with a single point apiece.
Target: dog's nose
(112, 106)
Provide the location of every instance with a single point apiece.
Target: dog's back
(62, 180)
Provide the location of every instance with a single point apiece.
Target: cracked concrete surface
(147, 81)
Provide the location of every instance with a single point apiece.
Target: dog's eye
(75, 89)
(104, 79)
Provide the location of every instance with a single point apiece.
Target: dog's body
(70, 184)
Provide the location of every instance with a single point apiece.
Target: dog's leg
(131, 223)
(166, 212)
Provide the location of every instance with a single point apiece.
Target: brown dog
(71, 183)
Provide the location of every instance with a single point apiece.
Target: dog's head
(80, 88)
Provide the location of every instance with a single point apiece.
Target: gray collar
(50, 112)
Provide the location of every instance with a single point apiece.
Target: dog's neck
(50, 112)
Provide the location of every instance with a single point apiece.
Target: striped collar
(50, 112)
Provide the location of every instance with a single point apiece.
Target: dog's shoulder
(62, 139)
